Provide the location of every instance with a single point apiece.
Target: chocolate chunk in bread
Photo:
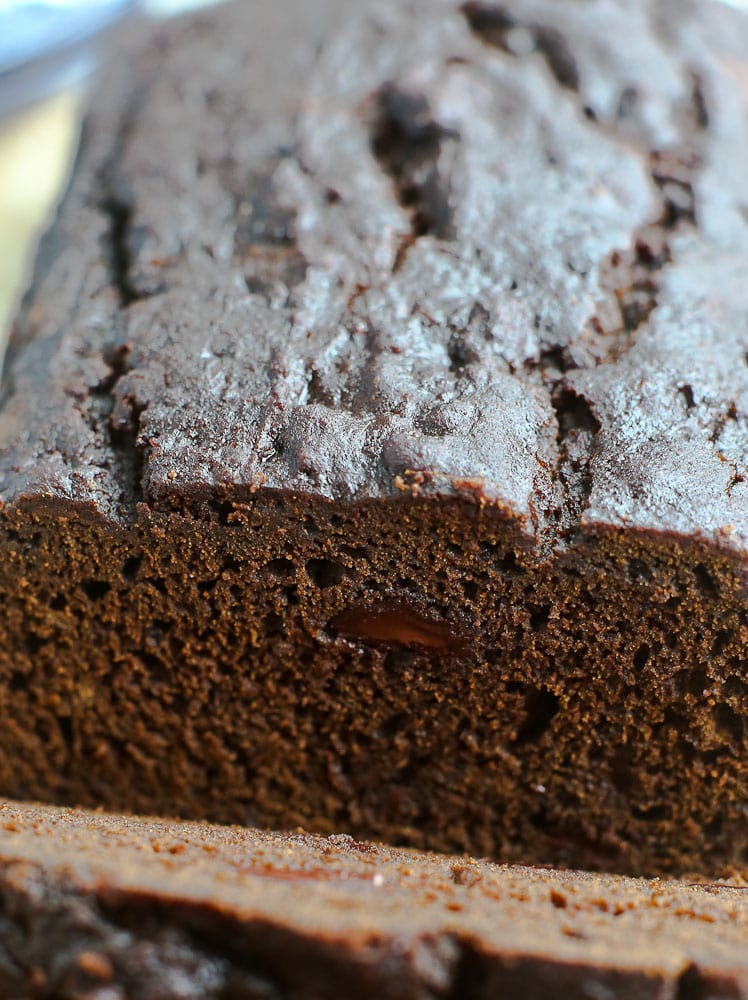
(98, 905)
(374, 437)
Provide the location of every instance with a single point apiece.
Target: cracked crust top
(493, 250)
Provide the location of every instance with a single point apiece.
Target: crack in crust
(496, 26)
(578, 428)
(119, 413)
(117, 206)
(407, 142)
(265, 240)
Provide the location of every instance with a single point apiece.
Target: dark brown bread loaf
(374, 438)
(113, 908)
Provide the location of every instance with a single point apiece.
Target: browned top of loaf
(296, 904)
(345, 249)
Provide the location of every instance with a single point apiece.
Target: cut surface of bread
(104, 906)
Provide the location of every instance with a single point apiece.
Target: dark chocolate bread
(374, 437)
(103, 907)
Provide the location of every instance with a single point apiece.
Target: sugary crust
(495, 245)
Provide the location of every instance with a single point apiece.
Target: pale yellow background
(35, 152)
(36, 149)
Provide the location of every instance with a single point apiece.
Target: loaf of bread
(373, 439)
(113, 908)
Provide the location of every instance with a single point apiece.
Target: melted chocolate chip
(398, 624)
